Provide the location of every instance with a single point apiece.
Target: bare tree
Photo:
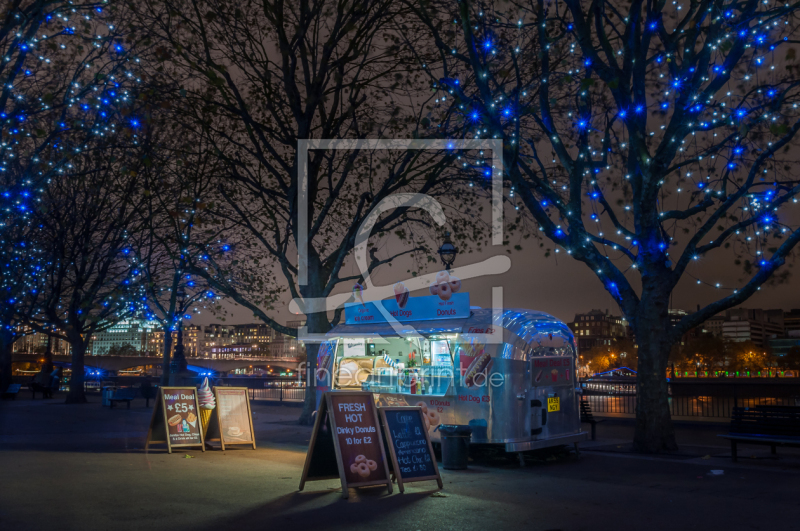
(91, 277)
(180, 187)
(641, 138)
(258, 77)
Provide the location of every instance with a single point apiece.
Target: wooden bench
(765, 425)
(126, 394)
(587, 417)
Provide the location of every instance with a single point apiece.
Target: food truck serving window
(408, 365)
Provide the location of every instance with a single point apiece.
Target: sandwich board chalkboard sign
(409, 445)
(347, 443)
(176, 419)
(231, 421)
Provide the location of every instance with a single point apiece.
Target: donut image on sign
(363, 466)
(431, 417)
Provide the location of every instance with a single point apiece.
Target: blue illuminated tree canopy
(640, 137)
(67, 71)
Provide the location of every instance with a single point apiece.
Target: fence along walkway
(700, 399)
(279, 394)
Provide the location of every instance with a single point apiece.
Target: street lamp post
(447, 252)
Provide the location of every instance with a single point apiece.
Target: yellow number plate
(553, 404)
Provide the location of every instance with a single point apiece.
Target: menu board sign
(347, 421)
(425, 308)
(232, 420)
(409, 445)
(354, 347)
(175, 419)
(552, 370)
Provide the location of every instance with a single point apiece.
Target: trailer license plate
(553, 404)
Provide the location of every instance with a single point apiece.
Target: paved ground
(84, 467)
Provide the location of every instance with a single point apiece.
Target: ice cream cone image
(207, 404)
(205, 417)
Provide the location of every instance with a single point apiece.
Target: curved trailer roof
(526, 333)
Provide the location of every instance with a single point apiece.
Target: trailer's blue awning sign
(427, 308)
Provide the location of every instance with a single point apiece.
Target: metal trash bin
(455, 446)
(107, 393)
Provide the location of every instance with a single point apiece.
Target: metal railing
(268, 389)
(280, 393)
(705, 399)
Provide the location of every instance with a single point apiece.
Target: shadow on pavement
(325, 507)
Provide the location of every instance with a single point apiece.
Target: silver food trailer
(508, 374)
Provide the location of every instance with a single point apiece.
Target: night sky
(563, 287)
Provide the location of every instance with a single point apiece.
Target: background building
(791, 320)
(597, 328)
(215, 335)
(758, 326)
(713, 325)
(780, 346)
(31, 342)
(129, 333)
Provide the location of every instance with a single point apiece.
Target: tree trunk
(167, 354)
(317, 323)
(654, 430)
(77, 394)
(6, 343)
